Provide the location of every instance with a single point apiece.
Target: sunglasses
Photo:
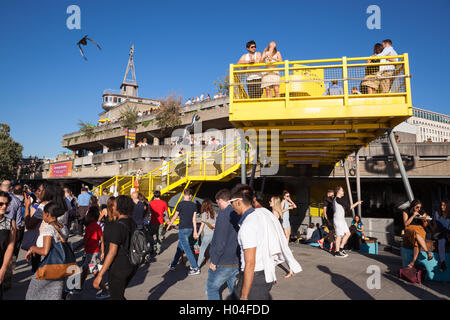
(417, 207)
(3, 204)
(252, 47)
(235, 199)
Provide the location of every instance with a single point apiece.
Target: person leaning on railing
(371, 83)
(415, 220)
(386, 73)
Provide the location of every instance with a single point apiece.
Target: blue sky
(184, 46)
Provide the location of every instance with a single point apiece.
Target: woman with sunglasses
(415, 221)
(7, 238)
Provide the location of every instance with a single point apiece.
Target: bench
(369, 246)
(431, 266)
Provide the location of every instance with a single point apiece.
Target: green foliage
(146, 123)
(129, 118)
(223, 84)
(10, 153)
(168, 114)
(86, 128)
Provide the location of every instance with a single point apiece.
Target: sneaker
(339, 254)
(194, 271)
(344, 252)
(320, 242)
(103, 295)
(171, 267)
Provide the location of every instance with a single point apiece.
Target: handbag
(412, 275)
(59, 263)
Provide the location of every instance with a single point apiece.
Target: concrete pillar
(399, 160)
(358, 183)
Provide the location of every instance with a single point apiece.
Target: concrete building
(430, 126)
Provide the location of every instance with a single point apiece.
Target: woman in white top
(275, 204)
(340, 225)
(50, 231)
(271, 79)
(287, 204)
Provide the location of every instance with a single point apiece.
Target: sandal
(289, 275)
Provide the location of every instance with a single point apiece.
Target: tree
(86, 128)
(129, 118)
(223, 84)
(10, 153)
(168, 115)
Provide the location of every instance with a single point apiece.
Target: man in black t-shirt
(328, 209)
(118, 235)
(187, 211)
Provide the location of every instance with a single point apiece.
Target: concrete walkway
(324, 277)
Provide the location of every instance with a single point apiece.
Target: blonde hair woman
(275, 204)
(271, 79)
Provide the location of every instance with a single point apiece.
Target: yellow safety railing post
(231, 89)
(407, 79)
(287, 83)
(186, 160)
(204, 163)
(168, 174)
(150, 185)
(345, 76)
(223, 160)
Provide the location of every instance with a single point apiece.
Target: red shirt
(92, 238)
(157, 208)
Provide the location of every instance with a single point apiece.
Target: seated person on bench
(415, 221)
(356, 230)
(441, 227)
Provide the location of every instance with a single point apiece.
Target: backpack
(138, 251)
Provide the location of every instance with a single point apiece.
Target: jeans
(183, 245)
(206, 240)
(217, 278)
(156, 230)
(441, 248)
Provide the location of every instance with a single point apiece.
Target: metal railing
(341, 78)
(202, 165)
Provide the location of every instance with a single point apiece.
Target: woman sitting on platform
(370, 83)
(415, 221)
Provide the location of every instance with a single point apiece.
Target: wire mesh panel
(376, 77)
(317, 78)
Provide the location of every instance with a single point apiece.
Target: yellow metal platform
(323, 110)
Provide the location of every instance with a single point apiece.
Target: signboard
(130, 138)
(61, 169)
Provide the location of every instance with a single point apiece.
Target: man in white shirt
(387, 72)
(253, 79)
(252, 235)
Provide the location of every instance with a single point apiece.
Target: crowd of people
(203, 97)
(243, 241)
(376, 79)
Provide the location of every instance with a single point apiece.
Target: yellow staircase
(187, 170)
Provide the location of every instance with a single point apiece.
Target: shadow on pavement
(351, 289)
(170, 278)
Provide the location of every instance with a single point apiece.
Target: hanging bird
(84, 42)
